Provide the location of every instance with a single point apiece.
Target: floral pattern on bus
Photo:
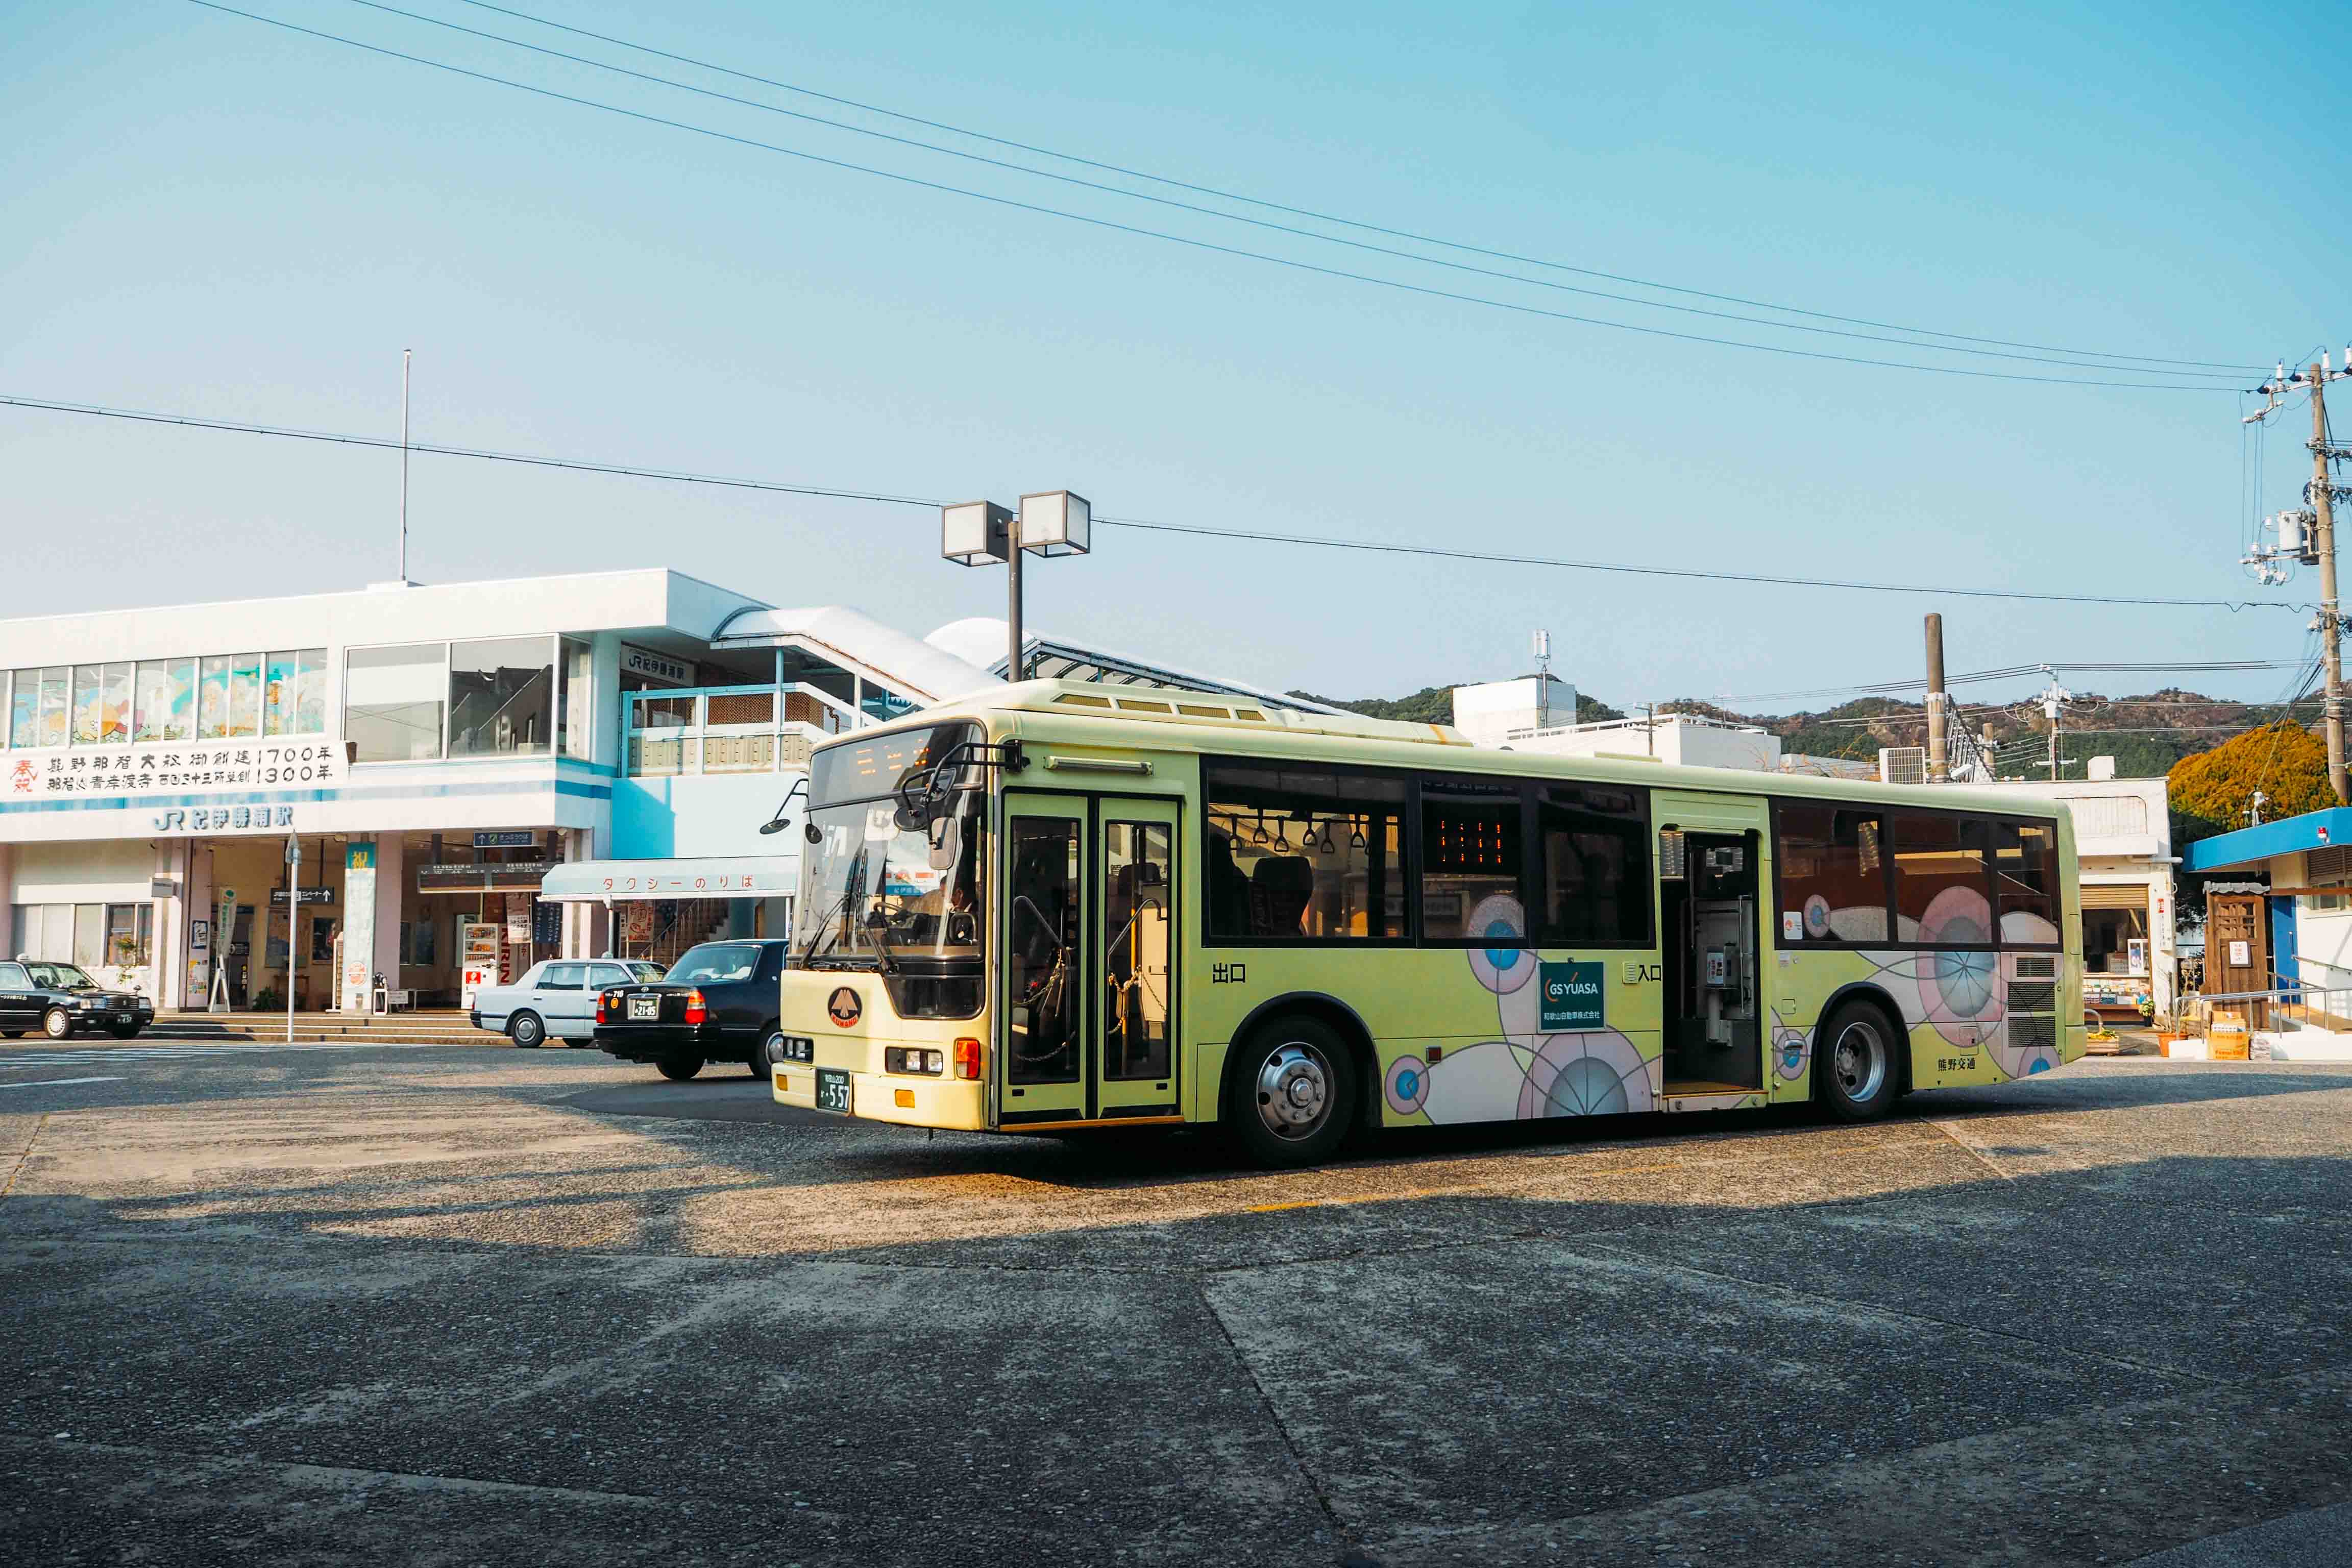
(1527, 1074)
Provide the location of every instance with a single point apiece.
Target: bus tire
(677, 1069)
(1290, 1091)
(1856, 1073)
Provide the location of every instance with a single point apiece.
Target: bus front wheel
(1290, 1091)
(1854, 1070)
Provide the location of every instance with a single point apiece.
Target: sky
(202, 214)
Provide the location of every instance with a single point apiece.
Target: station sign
(649, 665)
(505, 838)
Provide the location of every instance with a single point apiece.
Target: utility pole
(2322, 499)
(2054, 698)
(403, 575)
(1938, 758)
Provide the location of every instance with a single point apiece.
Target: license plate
(645, 1006)
(833, 1090)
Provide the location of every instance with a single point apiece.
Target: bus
(1059, 906)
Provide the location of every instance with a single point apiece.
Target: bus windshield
(875, 892)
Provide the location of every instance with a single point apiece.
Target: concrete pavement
(455, 1305)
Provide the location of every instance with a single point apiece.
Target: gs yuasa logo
(1569, 998)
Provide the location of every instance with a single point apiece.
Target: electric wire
(1320, 216)
(1399, 285)
(2226, 378)
(679, 476)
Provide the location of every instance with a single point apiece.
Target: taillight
(696, 1012)
(967, 1058)
(604, 1007)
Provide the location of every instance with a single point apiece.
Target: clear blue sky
(203, 213)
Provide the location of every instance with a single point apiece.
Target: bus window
(1831, 874)
(1595, 841)
(1295, 853)
(1470, 854)
(2025, 880)
(1942, 880)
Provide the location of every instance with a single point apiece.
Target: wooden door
(2237, 953)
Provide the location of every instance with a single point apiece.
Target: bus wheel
(1853, 1069)
(1290, 1091)
(677, 1069)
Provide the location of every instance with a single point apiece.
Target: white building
(455, 763)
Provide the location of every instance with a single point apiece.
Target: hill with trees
(2148, 734)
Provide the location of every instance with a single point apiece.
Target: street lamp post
(980, 532)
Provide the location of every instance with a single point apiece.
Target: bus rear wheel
(1854, 1070)
(1290, 1091)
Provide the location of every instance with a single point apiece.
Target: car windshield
(716, 961)
(60, 977)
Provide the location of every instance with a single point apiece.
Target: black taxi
(59, 998)
(717, 1003)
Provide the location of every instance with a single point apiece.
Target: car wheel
(1290, 1091)
(677, 1069)
(124, 1031)
(1854, 1069)
(57, 1023)
(767, 1054)
(526, 1030)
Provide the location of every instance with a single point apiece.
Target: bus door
(1711, 852)
(1087, 1020)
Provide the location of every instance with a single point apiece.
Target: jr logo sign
(1569, 998)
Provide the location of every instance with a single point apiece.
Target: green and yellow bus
(1062, 907)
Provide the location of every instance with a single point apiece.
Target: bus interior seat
(1281, 886)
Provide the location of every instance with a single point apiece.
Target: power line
(678, 476)
(2013, 672)
(1423, 290)
(2209, 375)
(1309, 213)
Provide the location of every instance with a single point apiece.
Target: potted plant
(2169, 1026)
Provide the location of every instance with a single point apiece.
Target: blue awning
(717, 877)
(2311, 830)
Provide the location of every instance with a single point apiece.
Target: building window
(881, 704)
(1470, 853)
(501, 698)
(88, 700)
(1830, 873)
(129, 931)
(392, 701)
(281, 685)
(212, 700)
(166, 701)
(575, 703)
(1595, 840)
(1298, 853)
(36, 709)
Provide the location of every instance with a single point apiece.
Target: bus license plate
(644, 1008)
(833, 1090)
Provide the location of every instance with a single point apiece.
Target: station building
(477, 776)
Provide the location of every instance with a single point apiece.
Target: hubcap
(1294, 1091)
(1859, 1061)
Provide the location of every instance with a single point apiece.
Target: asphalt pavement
(457, 1305)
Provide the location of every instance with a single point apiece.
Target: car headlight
(85, 1002)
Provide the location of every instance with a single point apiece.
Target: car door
(18, 1004)
(743, 1006)
(560, 995)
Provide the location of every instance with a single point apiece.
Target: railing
(730, 729)
(2285, 1007)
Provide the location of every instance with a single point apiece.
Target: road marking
(191, 1050)
(56, 1082)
